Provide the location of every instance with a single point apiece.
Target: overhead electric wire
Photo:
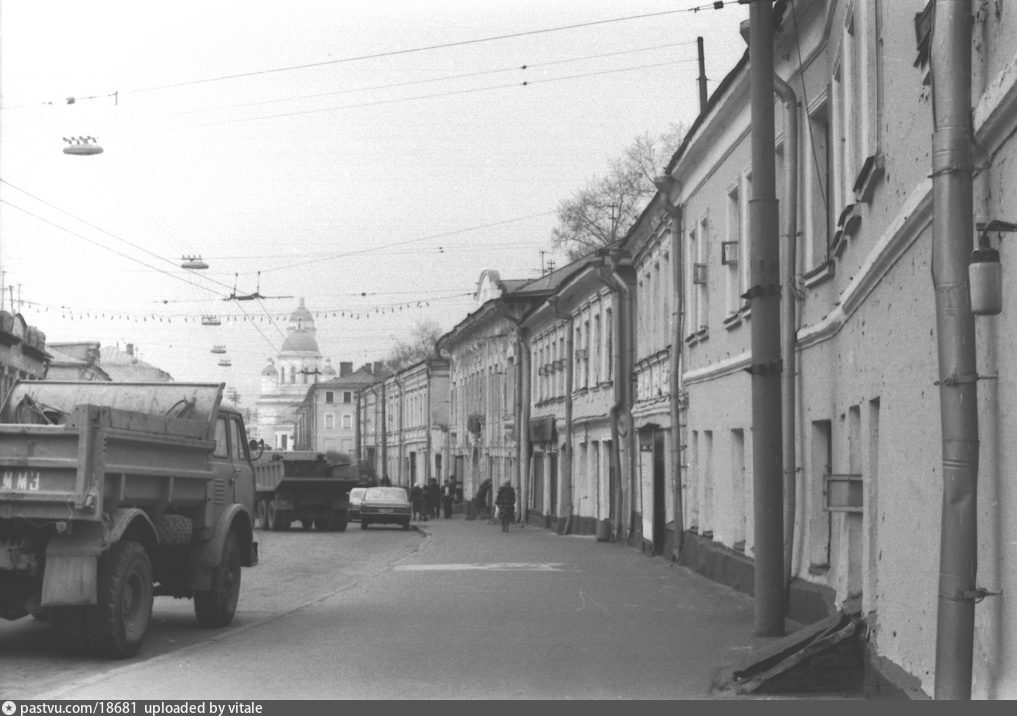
(406, 51)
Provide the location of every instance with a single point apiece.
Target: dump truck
(113, 493)
(304, 486)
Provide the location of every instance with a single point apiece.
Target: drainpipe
(521, 411)
(621, 415)
(764, 295)
(427, 423)
(607, 277)
(664, 186)
(788, 327)
(384, 432)
(399, 467)
(952, 240)
(569, 377)
(357, 438)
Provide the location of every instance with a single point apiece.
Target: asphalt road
(452, 609)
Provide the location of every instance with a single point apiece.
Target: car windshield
(385, 494)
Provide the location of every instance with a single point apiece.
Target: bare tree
(419, 346)
(606, 208)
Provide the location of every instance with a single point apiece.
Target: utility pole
(764, 296)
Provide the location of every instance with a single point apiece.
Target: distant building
(76, 361)
(23, 354)
(326, 420)
(285, 381)
(124, 366)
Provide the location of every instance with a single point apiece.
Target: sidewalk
(666, 619)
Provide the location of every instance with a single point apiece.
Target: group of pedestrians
(427, 500)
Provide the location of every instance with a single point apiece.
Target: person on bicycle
(506, 504)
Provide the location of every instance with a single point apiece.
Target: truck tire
(263, 522)
(278, 520)
(215, 607)
(340, 520)
(323, 524)
(117, 623)
(69, 629)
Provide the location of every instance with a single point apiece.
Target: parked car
(356, 497)
(385, 506)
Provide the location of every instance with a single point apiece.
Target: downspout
(357, 436)
(764, 297)
(607, 277)
(952, 241)
(624, 348)
(521, 411)
(569, 378)
(427, 423)
(384, 432)
(523, 389)
(788, 328)
(399, 466)
(664, 186)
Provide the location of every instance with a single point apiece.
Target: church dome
(300, 332)
(269, 369)
(328, 370)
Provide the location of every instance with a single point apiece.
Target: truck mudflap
(207, 556)
(72, 559)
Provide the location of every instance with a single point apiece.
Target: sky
(370, 158)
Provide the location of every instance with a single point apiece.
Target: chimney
(129, 348)
(378, 366)
(345, 368)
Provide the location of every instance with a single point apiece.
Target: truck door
(243, 472)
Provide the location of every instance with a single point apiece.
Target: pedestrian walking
(432, 499)
(506, 504)
(448, 492)
(417, 501)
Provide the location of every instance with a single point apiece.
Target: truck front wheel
(117, 623)
(216, 606)
(339, 521)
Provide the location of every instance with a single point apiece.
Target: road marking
(487, 566)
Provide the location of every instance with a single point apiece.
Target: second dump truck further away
(112, 493)
(304, 486)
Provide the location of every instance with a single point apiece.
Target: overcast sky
(370, 157)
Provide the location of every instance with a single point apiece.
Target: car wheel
(406, 525)
(363, 524)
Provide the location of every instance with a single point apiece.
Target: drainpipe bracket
(761, 291)
(766, 368)
(954, 379)
(979, 593)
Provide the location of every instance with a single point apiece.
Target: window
(222, 443)
(731, 255)
(329, 421)
(597, 339)
(347, 421)
(347, 396)
(816, 165)
(329, 396)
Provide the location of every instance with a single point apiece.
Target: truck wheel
(323, 524)
(117, 623)
(263, 521)
(69, 629)
(363, 524)
(340, 520)
(216, 606)
(308, 524)
(278, 520)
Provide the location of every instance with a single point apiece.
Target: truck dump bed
(72, 450)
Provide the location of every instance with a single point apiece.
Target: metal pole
(764, 297)
(702, 75)
(952, 241)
